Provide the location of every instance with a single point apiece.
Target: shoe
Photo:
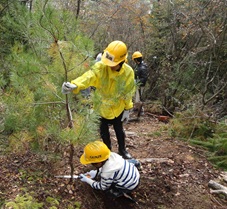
(129, 196)
(125, 154)
(115, 193)
(135, 162)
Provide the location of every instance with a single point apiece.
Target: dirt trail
(174, 175)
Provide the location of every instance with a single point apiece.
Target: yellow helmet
(115, 53)
(95, 152)
(136, 54)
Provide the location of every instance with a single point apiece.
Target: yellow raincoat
(114, 88)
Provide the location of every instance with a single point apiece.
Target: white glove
(84, 178)
(91, 173)
(67, 87)
(125, 116)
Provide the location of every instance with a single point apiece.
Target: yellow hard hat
(95, 152)
(115, 53)
(136, 54)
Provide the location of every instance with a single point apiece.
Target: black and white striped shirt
(117, 171)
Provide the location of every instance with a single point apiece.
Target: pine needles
(200, 129)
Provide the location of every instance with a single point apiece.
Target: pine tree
(49, 49)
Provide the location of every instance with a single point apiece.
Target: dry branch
(133, 119)
(217, 188)
(158, 160)
(224, 176)
(162, 118)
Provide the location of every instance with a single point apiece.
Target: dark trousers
(119, 131)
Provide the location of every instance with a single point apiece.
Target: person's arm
(143, 74)
(103, 184)
(89, 78)
(84, 81)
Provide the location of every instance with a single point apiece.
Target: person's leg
(104, 132)
(137, 97)
(141, 93)
(141, 98)
(116, 192)
(120, 134)
(135, 162)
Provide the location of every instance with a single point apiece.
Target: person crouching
(117, 175)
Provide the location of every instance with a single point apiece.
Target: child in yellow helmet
(117, 175)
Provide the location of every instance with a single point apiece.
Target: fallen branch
(158, 160)
(161, 118)
(133, 119)
(217, 188)
(224, 176)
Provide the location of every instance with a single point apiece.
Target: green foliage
(53, 202)
(192, 123)
(19, 142)
(219, 161)
(50, 50)
(155, 134)
(75, 205)
(188, 62)
(10, 29)
(217, 148)
(24, 202)
(216, 145)
(85, 125)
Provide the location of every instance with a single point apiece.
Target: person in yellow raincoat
(114, 83)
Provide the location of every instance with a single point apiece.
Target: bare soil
(174, 175)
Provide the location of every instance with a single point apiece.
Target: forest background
(44, 43)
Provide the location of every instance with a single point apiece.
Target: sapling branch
(69, 113)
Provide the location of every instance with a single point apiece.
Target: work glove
(91, 173)
(125, 116)
(67, 87)
(84, 178)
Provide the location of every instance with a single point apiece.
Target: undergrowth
(199, 129)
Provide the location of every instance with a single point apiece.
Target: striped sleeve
(104, 183)
(128, 177)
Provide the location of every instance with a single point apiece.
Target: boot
(125, 154)
(121, 144)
